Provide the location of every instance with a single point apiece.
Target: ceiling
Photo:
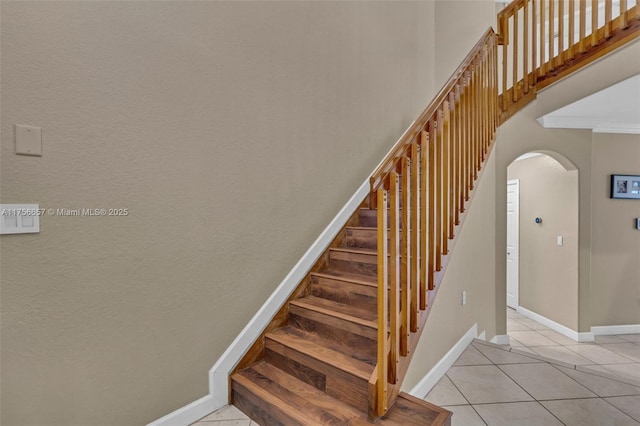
(615, 109)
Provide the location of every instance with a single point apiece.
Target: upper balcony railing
(545, 40)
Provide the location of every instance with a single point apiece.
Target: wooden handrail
(381, 174)
(423, 184)
(432, 170)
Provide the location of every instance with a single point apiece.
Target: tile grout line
(592, 362)
(517, 384)
(538, 402)
(619, 409)
(464, 396)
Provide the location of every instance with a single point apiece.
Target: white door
(513, 238)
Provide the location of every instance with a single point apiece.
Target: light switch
(20, 218)
(28, 140)
(560, 240)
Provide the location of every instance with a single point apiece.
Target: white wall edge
(615, 329)
(188, 414)
(564, 330)
(500, 339)
(424, 386)
(219, 374)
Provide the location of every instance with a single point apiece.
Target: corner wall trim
(500, 339)
(564, 330)
(615, 329)
(424, 386)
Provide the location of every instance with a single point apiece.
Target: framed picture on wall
(625, 186)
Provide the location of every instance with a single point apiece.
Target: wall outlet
(464, 298)
(28, 140)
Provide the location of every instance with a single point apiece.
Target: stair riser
(354, 267)
(327, 292)
(348, 388)
(363, 238)
(365, 264)
(364, 348)
(345, 292)
(369, 219)
(368, 258)
(337, 323)
(258, 410)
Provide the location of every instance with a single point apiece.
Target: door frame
(516, 262)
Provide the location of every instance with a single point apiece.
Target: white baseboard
(427, 383)
(500, 339)
(188, 414)
(564, 330)
(615, 329)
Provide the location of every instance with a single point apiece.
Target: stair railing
(545, 40)
(432, 169)
(430, 173)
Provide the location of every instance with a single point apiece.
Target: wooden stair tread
(366, 228)
(247, 383)
(355, 250)
(321, 350)
(351, 277)
(350, 313)
(309, 406)
(410, 411)
(310, 401)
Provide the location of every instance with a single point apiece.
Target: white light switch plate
(560, 240)
(19, 218)
(28, 140)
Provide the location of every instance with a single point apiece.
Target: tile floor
(609, 355)
(226, 416)
(544, 378)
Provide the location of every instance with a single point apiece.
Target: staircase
(336, 353)
(316, 368)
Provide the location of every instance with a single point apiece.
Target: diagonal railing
(422, 186)
(430, 172)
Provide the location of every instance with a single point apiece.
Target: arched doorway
(542, 238)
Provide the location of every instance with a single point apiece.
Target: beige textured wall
(522, 134)
(615, 248)
(471, 269)
(459, 26)
(232, 131)
(548, 272)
